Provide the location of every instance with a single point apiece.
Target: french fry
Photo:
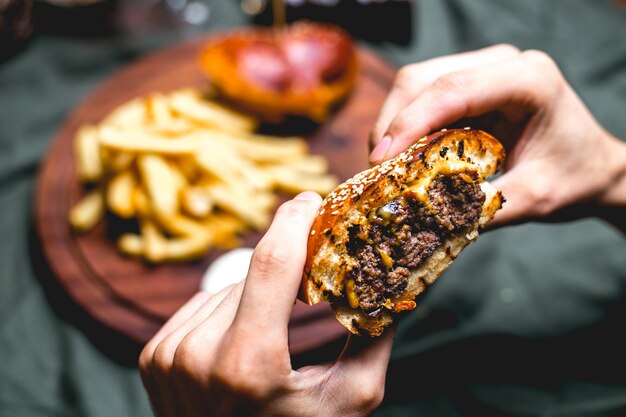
(196, 201)
(162, 184)
(129, 114)
(293, 182)
(225, 228)
(260, 199)
(179, 225)
(177, 249)
(131, 244)
(162, 120)
(88, 211)
(140, 202)
(154, 243)
(133, 140)
(306, 164)
(157, 109)
(212, 166)
(118, 161)
(222, 160)
(240, 205)
(187, 248)
(189, 103)
(259, 148)
(119, 194)
(87, 152)
(189, 168)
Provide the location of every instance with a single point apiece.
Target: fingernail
(380, 151)
(307, 195)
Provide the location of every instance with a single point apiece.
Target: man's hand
(561, 162)
(227, 354)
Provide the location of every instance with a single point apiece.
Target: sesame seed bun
(448, 152)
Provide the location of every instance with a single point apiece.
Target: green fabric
(527, 322)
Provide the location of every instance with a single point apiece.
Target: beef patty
(403, 232)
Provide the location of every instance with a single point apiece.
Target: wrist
(611, 202)
(614, 194)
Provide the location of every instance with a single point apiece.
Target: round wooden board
(131, 296)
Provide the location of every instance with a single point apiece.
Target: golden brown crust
(448, 151)
(219, 61)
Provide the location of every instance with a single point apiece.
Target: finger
(145, 358)
(165, 347)
(196, 355)
(157, 357)
(413, 79)
(178, 318)
(186, 311)
(513, 208)
(362, 367)
(525, 196)
(276, 268)
(524, 83)
(204, 331)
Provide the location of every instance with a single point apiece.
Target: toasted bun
(459, 151)
(220, 61)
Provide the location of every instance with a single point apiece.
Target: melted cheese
(353, 300)
(420, 187)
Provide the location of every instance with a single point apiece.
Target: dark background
(528, 322)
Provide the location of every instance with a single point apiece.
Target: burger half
(382, 237)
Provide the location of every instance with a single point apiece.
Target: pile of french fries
(190, 170)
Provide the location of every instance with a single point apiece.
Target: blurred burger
(304, 69)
